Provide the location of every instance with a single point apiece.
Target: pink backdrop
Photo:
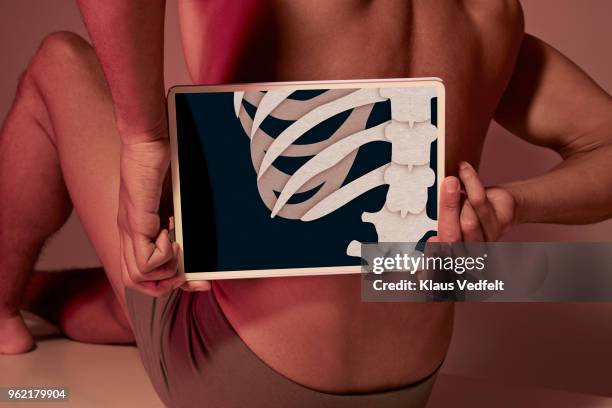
(562, 346)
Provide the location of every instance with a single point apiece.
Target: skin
(109, 160)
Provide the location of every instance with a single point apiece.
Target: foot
(15, 338)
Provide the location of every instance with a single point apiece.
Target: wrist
(519, 213)
(150, 132)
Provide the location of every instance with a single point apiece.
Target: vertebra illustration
(403, 217)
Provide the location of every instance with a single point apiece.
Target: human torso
(316, 330)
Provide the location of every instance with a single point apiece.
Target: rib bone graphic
(403, 217)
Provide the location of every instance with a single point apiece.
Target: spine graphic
(403, 217)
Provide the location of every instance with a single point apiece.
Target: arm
(128, 39)
(551, 102)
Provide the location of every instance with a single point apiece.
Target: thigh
(71, 82)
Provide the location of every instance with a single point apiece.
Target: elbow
(595, 139)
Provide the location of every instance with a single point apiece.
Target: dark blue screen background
(226, 225)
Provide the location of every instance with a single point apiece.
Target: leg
(27, 158)
(60, 136)
(81, 303)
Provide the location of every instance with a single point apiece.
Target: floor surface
(112, 376)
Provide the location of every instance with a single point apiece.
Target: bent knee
(61, 53)
(64, 46)
(93, 314)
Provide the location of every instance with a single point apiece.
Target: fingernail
(464, 165)
(451, 185)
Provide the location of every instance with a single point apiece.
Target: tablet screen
(285, 179)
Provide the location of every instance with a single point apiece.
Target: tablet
(290, 178)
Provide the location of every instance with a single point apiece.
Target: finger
(431, 245)
(171, 231)
(168, 276)
(166, 285)
(470, 224)
(175, 279)
(171, 266)
(171, 223)
(477, 196)
(154, 288)
(132, 278)
(449, 229)
(434, 247)
(175, 251)
(133, 275)
(162, 272)
(166, 271)
(151, 255)
(196, 286)
(160, 288)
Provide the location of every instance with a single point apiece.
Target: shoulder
(501, 29)
(502, 14)
(498, 11)
(501, 23)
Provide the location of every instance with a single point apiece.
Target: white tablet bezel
(268, 86)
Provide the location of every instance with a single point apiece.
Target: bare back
(315, 330)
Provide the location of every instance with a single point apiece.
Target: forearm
(128, 39)
(577, 191)
(551, 102)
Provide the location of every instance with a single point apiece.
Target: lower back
(318, 332)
